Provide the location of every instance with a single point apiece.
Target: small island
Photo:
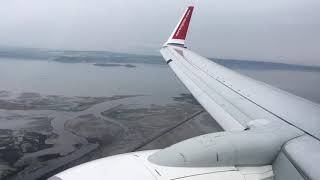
(114, 65)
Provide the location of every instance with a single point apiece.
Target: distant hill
(67, 56)
(260, 65)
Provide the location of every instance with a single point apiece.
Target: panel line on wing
(216, 92)
(198, 79)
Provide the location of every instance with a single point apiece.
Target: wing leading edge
(234, 100)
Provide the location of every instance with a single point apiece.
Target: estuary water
(86, 79)
(157, 80)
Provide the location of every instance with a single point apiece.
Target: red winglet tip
(181, 31)
(179, 34)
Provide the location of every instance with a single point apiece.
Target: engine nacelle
(255, 147)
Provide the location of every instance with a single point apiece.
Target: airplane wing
(234, 100)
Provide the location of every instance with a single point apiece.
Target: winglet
(179, 34)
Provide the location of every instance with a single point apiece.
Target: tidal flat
(41, 135)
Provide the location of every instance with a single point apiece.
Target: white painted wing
(235, 100)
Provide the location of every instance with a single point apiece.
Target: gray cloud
(280, 30)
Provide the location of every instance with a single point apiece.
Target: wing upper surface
(235, 100)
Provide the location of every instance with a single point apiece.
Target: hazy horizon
(96, 56)
(283, 31)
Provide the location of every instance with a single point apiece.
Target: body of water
(157, 80)
(86, 79)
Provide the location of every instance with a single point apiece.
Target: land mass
(42, 135)
(109, 59)
(114, 65)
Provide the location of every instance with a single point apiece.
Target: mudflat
(41, 135)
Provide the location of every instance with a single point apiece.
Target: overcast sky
(278, 30)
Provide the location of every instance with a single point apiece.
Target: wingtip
(179, 34)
